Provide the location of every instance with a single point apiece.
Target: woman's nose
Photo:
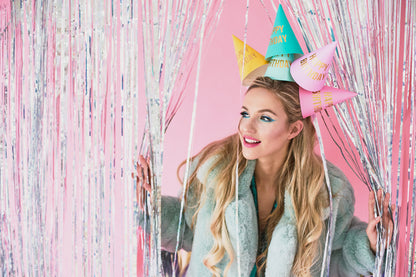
(247, 125)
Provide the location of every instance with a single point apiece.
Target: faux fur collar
(284, 241)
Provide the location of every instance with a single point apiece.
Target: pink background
(220, 91)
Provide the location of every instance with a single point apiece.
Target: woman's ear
(295, 128)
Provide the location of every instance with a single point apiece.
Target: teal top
(254, 192)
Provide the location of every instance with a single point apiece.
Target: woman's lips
(250, 142)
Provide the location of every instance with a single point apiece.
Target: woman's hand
(373, 221)
(142, 176)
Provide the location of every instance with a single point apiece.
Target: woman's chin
(247, 156)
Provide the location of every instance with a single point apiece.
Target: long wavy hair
(301, 175)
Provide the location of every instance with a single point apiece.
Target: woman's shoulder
(342, 195)
(207, 168)
(339, 181)
(213, 156)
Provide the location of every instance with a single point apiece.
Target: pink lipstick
(250, 142)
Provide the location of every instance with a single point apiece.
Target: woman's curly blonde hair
(301, 175)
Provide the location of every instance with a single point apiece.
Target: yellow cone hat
(254, 63)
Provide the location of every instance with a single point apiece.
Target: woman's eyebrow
(262, 111)
(267, 110)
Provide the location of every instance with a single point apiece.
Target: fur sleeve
(351, 253)
(169, 225)
(170, 214)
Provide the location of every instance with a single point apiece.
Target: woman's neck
(268, 168)
(266, 173)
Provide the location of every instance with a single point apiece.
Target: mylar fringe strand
(173, 34)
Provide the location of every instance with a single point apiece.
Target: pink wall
(220, 98)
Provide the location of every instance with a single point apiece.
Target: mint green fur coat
(351, 253)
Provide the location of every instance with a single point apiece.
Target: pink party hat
(311, 70)
(312, 102)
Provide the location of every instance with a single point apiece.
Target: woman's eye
(266, 118)
(244, 114)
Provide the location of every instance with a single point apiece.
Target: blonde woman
(283, 200)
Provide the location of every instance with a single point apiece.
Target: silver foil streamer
(170, 44)
(68, 90)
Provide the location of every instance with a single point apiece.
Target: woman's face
(264, 129)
